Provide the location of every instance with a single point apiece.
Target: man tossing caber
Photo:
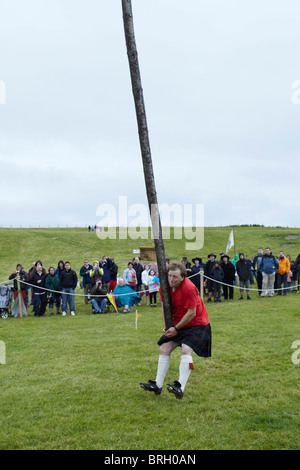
(191, 331)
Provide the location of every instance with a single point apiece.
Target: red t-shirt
(132, 283)
(183, 298)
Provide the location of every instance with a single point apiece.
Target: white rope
(69, 293)
(139, 292)
(238, 287)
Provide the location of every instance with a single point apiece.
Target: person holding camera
(98, 297)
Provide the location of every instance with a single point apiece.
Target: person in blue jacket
(269, 267)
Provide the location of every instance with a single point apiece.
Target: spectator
(96, 273)
(138, 267)
(30, 272)
(229, 277)
(297, 262)
(68, 282)
(269, 266)
(125, 296)
(129, 276)
(113, 275)
(38, 279)
(234, 261)
(195, 272)
(105, 263)
(98, 303)
(23, 276)
(257, 268)
(294, 269)
(217, 274)
(84, 272)
(187, 266)
(145, 280)
(60, 267)
(53, 284)
(282, 273)
(250, 262)
(208, 270)
(243, 271)
(153, 283)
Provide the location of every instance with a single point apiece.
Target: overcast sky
(222, 115)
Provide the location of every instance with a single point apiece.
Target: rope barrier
(61, 292)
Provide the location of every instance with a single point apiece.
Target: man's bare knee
(167, 348)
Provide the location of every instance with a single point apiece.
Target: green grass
(72, 382)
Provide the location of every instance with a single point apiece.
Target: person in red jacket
(191, 331)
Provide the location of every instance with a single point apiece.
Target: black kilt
(196, 337)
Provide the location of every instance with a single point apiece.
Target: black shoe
(241, 298)
(209, 299)
(151, 387)
(248, 297)
(176, 389)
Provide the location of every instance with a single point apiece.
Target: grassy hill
(72, 382)
(75, 244)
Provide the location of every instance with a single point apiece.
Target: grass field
(72, 382)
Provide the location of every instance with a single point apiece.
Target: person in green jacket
(53, 284)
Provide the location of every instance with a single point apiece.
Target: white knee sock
(162, 369)
(186, 365)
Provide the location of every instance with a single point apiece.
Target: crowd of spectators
(56, 287)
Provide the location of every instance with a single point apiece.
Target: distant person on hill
(284, 267)
(243, 271)
(68, 282)
(269, 267)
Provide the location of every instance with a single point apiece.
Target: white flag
(230, 242)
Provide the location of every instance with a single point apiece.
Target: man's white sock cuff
(165, 359)
(186, 358)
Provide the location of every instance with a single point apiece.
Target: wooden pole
(201, 283)
(137, 91)
(19, 295)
